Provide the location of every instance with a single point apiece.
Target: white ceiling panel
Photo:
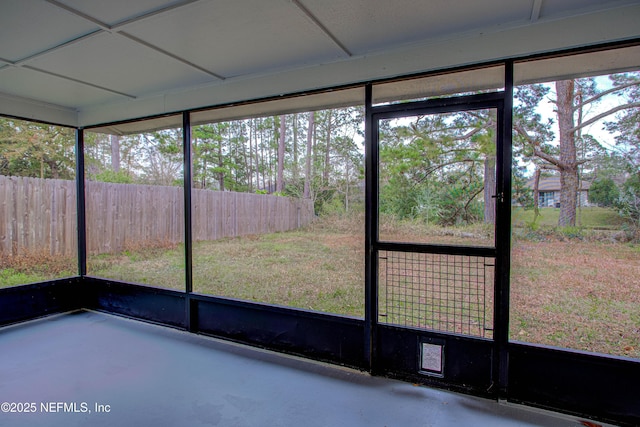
(114, 11)
(554, 9)
(232, 38)
(31, 26)
(51, 89)
(113, 60)
(116, 63)
(372, 25)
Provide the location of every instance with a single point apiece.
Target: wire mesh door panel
(438, 292)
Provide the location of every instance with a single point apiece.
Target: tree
(446, 160)
(115, 153)
(105, 153)
(604, 192)
(629, 200)
(564, 160)
(307, 168)
(160, 157)
(575, 100)
(627, 126)
(567, 161)
(296, 166)
(281, 147)
(348, 164)
(209, 156)
(36, 150)
(144, 158)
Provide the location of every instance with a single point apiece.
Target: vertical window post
(503, 239)
(371, 227)
(188, 237)
(80, 204)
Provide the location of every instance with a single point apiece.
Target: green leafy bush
(604, 192)
(628, 203)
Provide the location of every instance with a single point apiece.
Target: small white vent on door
(431, 359)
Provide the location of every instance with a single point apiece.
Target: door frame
(470, 364)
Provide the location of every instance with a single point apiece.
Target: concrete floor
(94, 369)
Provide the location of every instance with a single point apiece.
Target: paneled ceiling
(82, 62)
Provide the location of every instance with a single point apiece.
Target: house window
(546, 199)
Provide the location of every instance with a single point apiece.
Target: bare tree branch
(523, 132)
(473, 196)
(536, 150)
(439, 166)
(549, 158)
(466, 205)
(605, 93)
(605, 114)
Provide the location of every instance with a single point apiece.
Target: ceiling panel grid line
(103, 28)
(169, 54)
(71, 79)
(314, 19)
(115, 29)
(79, 14)
(535, 10)
(152, 13)
(57, 47)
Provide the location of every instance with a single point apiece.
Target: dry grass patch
(30, 266)
(579, 295)
(322, 272)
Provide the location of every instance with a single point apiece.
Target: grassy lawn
(588, 217)
(581, 295)
(320, 268)
(156, 266)
(35, 266)
(567, 292)
(304, 269)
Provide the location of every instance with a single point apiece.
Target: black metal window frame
(536, 375)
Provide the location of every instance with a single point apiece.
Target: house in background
(549, 192)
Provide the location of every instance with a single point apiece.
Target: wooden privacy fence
(37, 214)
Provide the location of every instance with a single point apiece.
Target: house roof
(84, 63)
(553, 184)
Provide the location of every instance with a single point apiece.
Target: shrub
(604, 192)
(114, 177)
(628, 203)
